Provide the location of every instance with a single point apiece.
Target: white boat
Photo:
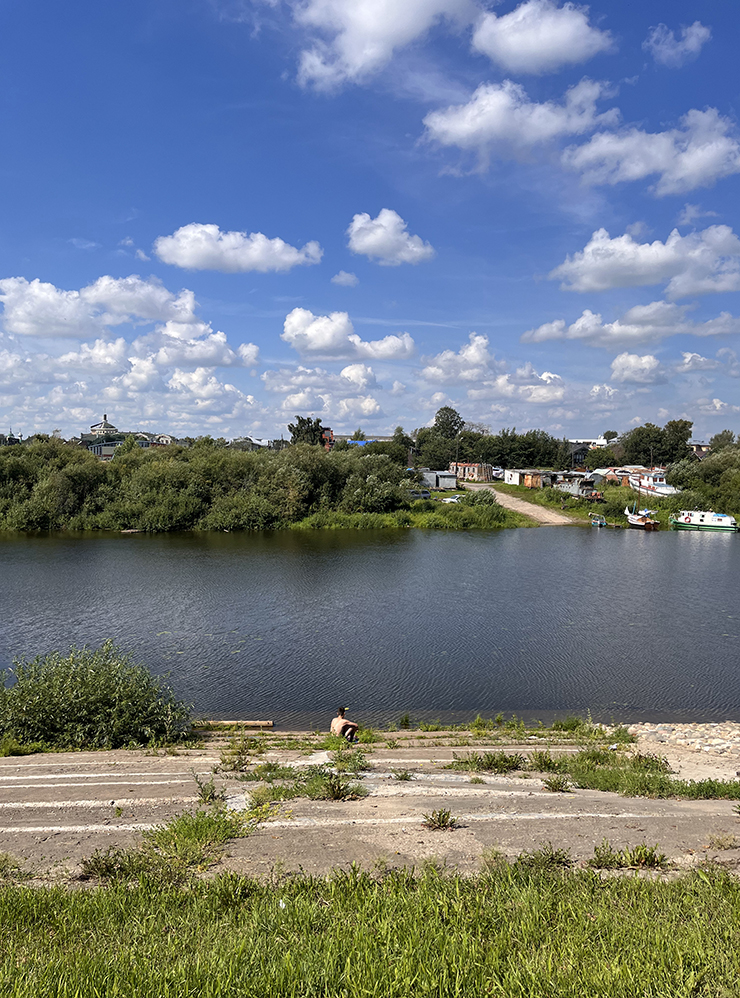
(697, 519)
(640, 518)
(652, 483)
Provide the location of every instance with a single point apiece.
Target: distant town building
(102, 428)
(699, 448)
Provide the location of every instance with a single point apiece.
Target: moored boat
(652, 483)
(597, 519)
(697, 519)
(640, 518)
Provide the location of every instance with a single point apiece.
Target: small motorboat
(641, 519)
(597, 519)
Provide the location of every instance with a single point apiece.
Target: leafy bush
(90, 698)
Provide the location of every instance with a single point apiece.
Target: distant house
(699, 448)
(514, 476)
(472, 472)
(327, 438)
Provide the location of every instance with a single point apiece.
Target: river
(287, 626)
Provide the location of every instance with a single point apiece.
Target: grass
(536, 930)
(489, 762)
(313, 782)
(557, 784)
(440, 820)
(172, 853)
(639, 857)
(403, 774)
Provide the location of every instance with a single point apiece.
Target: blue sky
(218, 214)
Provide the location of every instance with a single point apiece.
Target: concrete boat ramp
(56, 809)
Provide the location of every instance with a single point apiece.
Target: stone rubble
(720, 738)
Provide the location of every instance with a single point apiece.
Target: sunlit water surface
(286, 626)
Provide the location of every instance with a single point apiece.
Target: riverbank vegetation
(49, 485)
(87, 699)
(536, 928)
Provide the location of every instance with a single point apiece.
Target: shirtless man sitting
(341, 726)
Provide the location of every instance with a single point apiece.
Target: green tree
(725, 438)
(358, 434)
(610, 435)
(448, 422)
(676, 436)
(306, 430)
(644, 445)
(600, 457)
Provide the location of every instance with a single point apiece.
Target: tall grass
(514, 931)
(89, 698)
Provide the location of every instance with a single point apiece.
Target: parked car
(420, 494)
(450, 499)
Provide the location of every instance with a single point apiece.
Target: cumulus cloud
(356, 38)
(36, 308)
(667, 50)
(539, 37)
(472, 362)
(713, 407)
(640, 324)
(359, 375)
(333, 335)
(698, 263)
(501, 120)
(703, 150)
(629, 367)
(345, 279)
(386, 239)
(691, 362)
(206, 247)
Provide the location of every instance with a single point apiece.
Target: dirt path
(56, 809)
(547, 517)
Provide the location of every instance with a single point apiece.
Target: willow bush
(88, 699)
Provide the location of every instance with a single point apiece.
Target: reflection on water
(287, 625)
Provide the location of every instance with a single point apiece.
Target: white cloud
(358, 37)
(629, 367)
(539, 37)
(360, 405)
(501, 120)
(700, 152)
(691, 212)
(472, 362)
(386, 239)
(206, 247)
(345, 279)
(333, 335)
(36, 308)
(698, 263)
(640, 324)
(360, 375)
(100, 357)
(667, 50)
(713, 407)
(695, 362)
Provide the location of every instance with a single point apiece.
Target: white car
(450, 499)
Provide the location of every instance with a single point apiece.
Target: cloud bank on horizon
(363, 210)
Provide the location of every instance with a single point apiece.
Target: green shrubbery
(49, 485)
(88, 698)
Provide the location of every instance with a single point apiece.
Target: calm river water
(288, 625)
